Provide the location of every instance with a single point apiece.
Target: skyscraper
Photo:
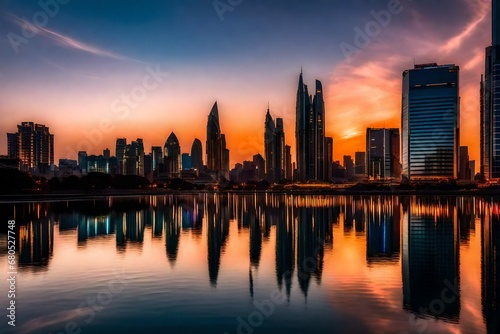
(464, 171)
(260, 163)
(217, 152)
(382, 153)
(197, 155)
(33, 144)
(274, 147)
(157, 159)
(121, 144)
(360, 164)
(490, 110)
(134, 158)
(269, 146)
(430, 121)
(172, 158)
(310, 133)
(288, 163)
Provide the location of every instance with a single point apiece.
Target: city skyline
(369, 81)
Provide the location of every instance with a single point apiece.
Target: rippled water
(256, 264)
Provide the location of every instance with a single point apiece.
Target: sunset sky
(84, 72)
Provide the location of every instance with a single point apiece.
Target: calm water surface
(256, 264)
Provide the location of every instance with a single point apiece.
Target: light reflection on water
(257, 264)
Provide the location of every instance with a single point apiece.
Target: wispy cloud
(66, 41)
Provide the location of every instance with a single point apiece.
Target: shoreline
(87, 195)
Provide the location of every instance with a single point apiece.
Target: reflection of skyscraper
(89, 227)
(490, 266)
(217, 153)
(383, 232)
(36, 242)
(310, 246)
(430, 121)
(218, 230)
(173, 230)
(255, 237)
(430, 259)
(285, 251)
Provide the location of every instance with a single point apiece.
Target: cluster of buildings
(425, 147)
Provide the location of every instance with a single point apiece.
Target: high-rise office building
(383, 153)
(82, 161)
(197, 155)
(217, 152)
(172, 157)
(274, 146)
(310, 133)
(490, 108)
(260, 164)
(360, 164)
(134, 158)
(157, 156)
(269, 146)
(186, 161)
(121, 145)
(349, 166)
(328, 157)
(431, 121)
(288, 163)
(464, 172)
(12, 140)
(33, 144)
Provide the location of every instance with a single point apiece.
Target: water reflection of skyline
(423, 234)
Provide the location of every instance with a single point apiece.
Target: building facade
(33, 144)
(431, 122)
(217, 152)
(383, 153)
(311, 153)
(490, 104)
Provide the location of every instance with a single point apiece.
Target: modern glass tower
(310, 133)
(383, 153)
(217, 152)
(173, 162)
(275, 150)
(197, 155)
(430, 122)
(490, 104)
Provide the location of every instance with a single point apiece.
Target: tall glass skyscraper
(490, 104)
(430, 121)
(217, 152)
(310, 133)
